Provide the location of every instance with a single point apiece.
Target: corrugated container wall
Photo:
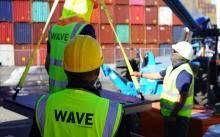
(58, 12)
(111, 12)
(7, 33)
(5, 10)
(22, 54)
(37, 31)
(122, 2)
(41, 55)
(165, 34)
(40, 11)
(137, 34)
(6, 54)
(151, 2)
(22, 32)
(176, 20)
(109, 1)
(106, 34)
(178, 33)
(151, 15)
(151, 34)
(165, 16)
(165, 50)
(137, 14)
(22, 11)
(109, 53)
(96, 15)
(123, 33)
(122, 12)
(137, 2)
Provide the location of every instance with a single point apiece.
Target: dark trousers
(176, 129)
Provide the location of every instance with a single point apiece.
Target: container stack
(139, 24)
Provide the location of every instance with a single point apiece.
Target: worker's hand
(136, 74)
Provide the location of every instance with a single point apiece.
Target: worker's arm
(47, 60)
(152, 75)
(183, 83)
(35, 132)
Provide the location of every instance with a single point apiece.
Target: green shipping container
(123, 33)
(40, 11)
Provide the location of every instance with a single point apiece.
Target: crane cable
(134, 79)
(30, 61)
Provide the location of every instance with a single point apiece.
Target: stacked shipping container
(148, 24)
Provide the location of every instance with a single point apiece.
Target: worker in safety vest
(74, 21)
(176, 100)
(78, 110)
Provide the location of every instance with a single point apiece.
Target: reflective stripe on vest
(170, 94)
(59, 36)
(40, 113)
(108, 126)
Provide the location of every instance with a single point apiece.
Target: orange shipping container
(109, 1)
(161, 3)
(106, 34)
(22, 11)
(176, 20)
(137, 14)
(6, 32)
(151, 34)
(111, 12)
(137, 34)
(119, 54)
(151, 2)
(122, 12)
(109, 53)
(165, 34)
(95, 18)
(122, 2)
(151, 15)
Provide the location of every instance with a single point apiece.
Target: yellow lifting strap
(30, 61)
(134, 79)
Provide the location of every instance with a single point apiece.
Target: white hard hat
(184, 49)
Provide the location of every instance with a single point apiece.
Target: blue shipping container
(22, 32)
(40, 11)
(123, 33)
(165, 50)
(178, 33)
(5, 10)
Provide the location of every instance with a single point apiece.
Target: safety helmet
(184, 49)
(82, 54)
(80, 8)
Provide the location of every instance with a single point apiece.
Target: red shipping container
(153, 48)
(137, 14)
(176, 20)
(58, 11)
(151, 15)
(137, 34)
(59, 0)
(37, 31)
(122, 12)
(110, 9)
(151, 34)
(41, 55)
(165, 34)
(122, 2)
(7, 33)
(118, 51)
(137, 2)
(161, 3)
(97, 30)
(22, 54)
(22, 11)
(109, 53)
(151, 2)
(106, 34)
(95, 18)
(109, 1)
